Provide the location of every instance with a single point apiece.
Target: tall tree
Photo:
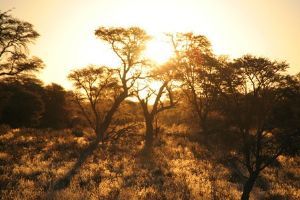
(115, 85)
(96, 90)
(155, 100)
(196, 68)
(15, 35)
(127, 44)
(250, 91)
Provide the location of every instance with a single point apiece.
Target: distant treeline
(26, 103)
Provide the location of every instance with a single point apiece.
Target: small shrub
(77, 132)
(4, 128)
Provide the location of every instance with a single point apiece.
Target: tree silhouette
(115, 85)
(15, 35)
(127, 44)
(160, 96)
(250, 92)
(196, 68)
(97, 87)
(21, 106)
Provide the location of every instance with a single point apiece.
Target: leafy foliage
(56, 114)
(23, 110)
(15, 35)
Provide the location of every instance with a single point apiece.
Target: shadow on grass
(219, 144)
(64, 181)
(154, 171)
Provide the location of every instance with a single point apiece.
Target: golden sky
(235, 27)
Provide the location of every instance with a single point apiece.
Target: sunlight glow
(158, 50)
(150, 87)
(67, 38)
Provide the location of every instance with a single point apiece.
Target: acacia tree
(101, 85)
(161, 98)
(95, 87)
(112, 86)
(250, 91)
(15, 35)
(196, 68)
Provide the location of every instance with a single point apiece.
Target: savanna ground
(181, 166)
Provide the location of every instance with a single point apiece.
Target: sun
(158, 50)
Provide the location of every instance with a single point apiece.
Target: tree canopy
(15, 36)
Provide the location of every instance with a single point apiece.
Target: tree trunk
(203, 120)
(98, 131)
(249, 185)
(149, 133)
(203, 125)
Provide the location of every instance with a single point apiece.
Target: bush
(77, 132)
(4, 128)
(24, 109)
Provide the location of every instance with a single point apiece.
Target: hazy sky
(235, 27)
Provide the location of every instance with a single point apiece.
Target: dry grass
(178, 168)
